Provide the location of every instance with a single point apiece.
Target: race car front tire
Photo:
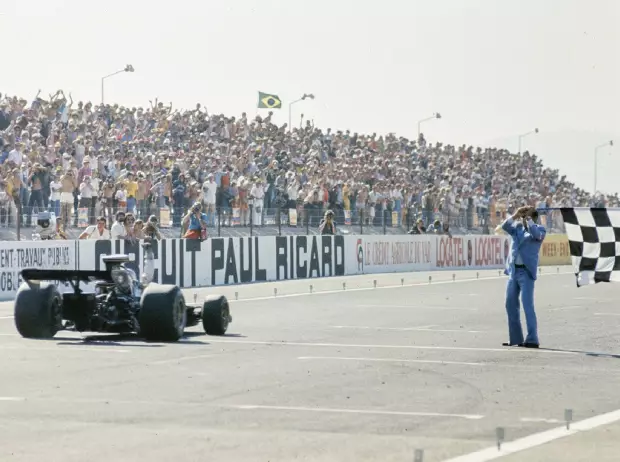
(38, 311)
(216, 315)
(163, 314)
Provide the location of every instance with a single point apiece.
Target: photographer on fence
(195, 222)
(418, 227)
(327, 226)
(97, 232)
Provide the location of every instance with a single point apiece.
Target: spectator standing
(69, 184)
(36, 182)
(87, 193)
(131, 188)
(257, 194)
(209, 193)
(117, 230)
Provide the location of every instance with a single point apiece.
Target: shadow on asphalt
(585, 353)
(125, 340)
(132, 340)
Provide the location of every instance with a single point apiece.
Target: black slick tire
(216, 315)
(163, 314)
(38, 311)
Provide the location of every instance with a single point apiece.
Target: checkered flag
(594, 241)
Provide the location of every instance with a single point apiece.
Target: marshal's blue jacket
(525, 247)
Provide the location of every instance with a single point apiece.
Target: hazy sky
(494, 69)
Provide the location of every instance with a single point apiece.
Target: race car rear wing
(33, 276)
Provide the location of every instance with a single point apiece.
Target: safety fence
(236, 260)
(300, 219)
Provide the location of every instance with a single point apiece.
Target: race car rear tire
(215, 315)
(38, 311)
(163, 314)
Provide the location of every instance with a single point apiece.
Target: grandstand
(81, 161)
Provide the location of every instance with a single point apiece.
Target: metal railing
(282, 220)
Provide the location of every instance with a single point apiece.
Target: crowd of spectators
(62, 155)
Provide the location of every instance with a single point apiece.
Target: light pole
(290, 123)
(437, 115)
(610, 143)
(524, 135)
(128, 68)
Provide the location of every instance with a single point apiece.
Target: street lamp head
(535, 130)
(311, 96)
(611, 142)
(438, 115)
(129, 68)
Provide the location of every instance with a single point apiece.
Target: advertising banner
(555, 250)
(470, 252)
(184, 262)
(18, 255)
(243, 260)
(386, 254)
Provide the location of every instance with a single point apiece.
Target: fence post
(279, 215)
(361, 221)
(219, 222)
(385, 214)
(19, 219)
(251, 219)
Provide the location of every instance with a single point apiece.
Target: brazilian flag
(267, 101)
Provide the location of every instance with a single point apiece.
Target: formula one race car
(119, 304)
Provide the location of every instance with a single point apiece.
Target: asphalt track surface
(343, 374)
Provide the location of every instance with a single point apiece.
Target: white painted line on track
(183, 358)
(406, 329)
(430, 326)
(538, 439)
(6, 317)
(606, 314)
(409, 347)
(359, 289)
(390, 360)
(539, 420)
(352, 411)
(419, 307)
(11, 398)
